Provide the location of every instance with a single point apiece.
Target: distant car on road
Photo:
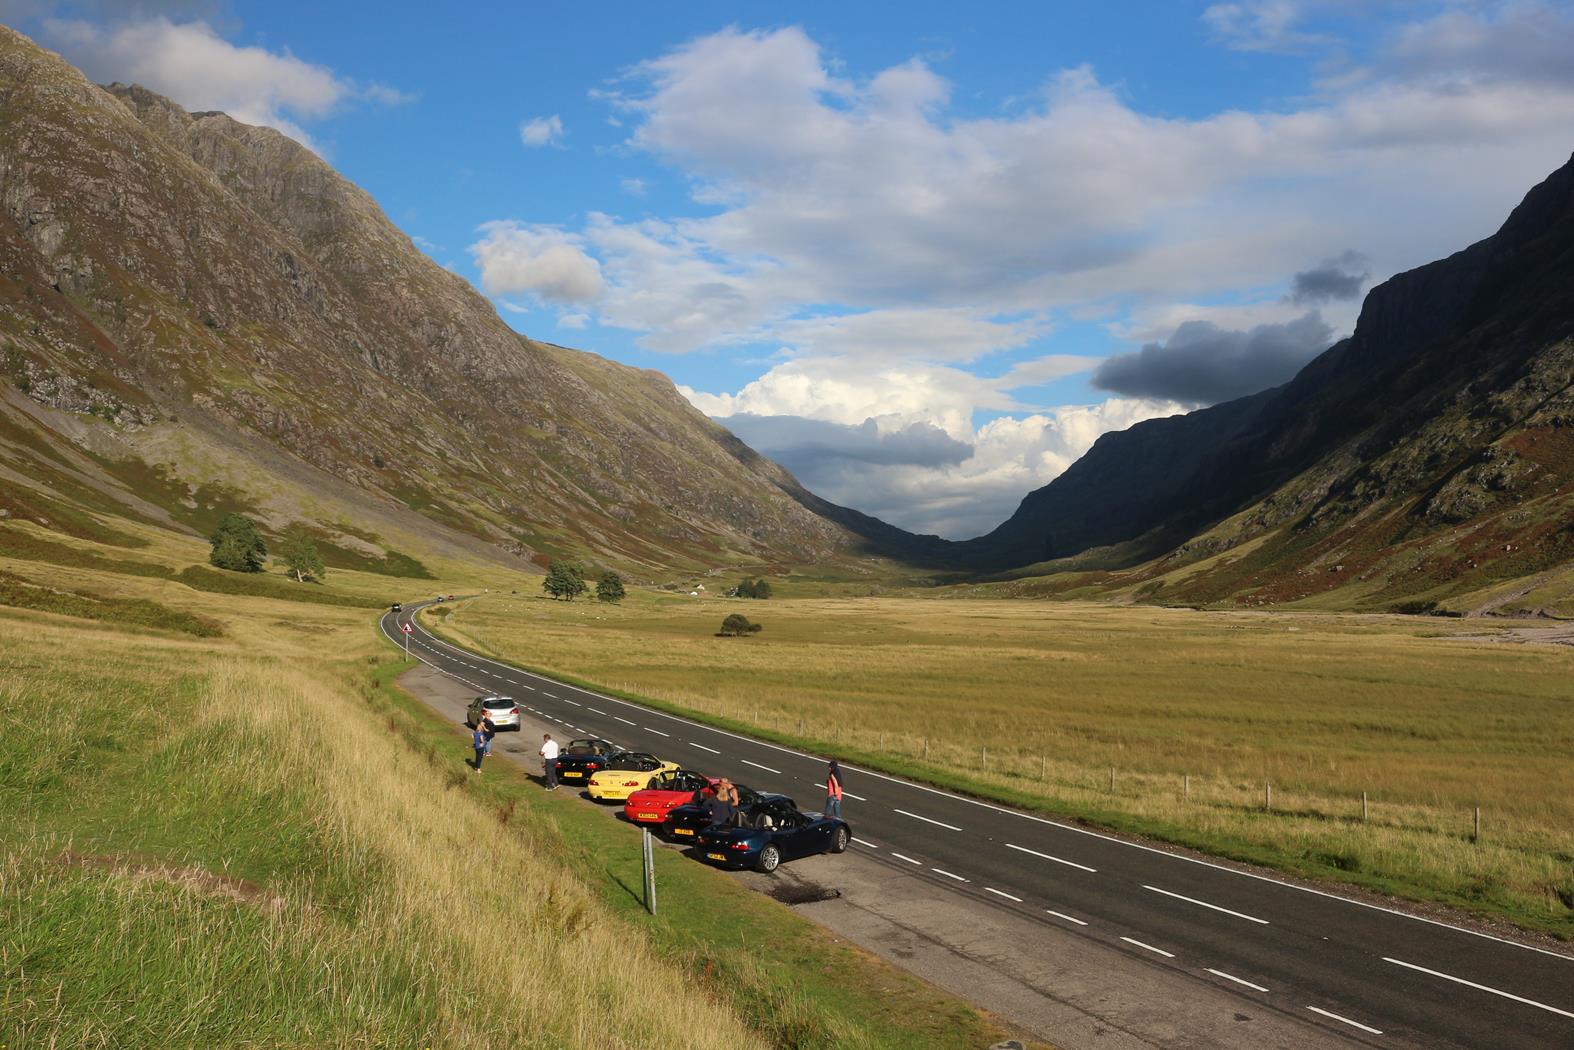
(396, 607)
(581, 759)
(450, 597)
(501, 710)
(774, 832)
(439, 597)
(686, 821)
(626, 773)
(666, 791)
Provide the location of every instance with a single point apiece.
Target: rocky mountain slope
(1428, 455)
(198, 315)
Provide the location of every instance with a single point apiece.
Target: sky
(923, 254)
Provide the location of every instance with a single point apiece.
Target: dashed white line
(910, 860)
(756, 765)
(1149, 947)
(1063, 915)
(1002, 893)
(949, 875)
(552, 696)
(1237, 980)
(1479, 987)
(926, 820)
(849, 794)
(566, 700)
(656, 731)
(620, 718)
(1205, 904)
(1345, 1020)
(529, 687)
(862, 842)
(1047, 856)
(702, 747)
(593, 710)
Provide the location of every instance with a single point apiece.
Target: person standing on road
(549, 761)
(833, 791)
(481, 744)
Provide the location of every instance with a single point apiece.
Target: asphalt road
(1375, 976)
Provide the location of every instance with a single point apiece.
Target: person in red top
(833, 790)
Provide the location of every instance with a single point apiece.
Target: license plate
(567, 774)
(717, 856)
(646, 816)
(683, 831)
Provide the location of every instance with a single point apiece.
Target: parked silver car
(501, 711)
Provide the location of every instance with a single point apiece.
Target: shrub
(610, 587)
(737, 625)
(237, 545)
(300, 554)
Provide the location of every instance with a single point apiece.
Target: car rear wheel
(770, 859)
(839, 841)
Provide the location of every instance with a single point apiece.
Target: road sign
(406, 627)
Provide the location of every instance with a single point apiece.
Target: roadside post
(405, 629)
(649, 859)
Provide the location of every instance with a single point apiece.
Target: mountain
(197, 316)
(1430, 453)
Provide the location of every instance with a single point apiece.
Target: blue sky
(922, 254)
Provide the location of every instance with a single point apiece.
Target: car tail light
(740, 845)
(516, 710)
(557, 765)
(631, 783)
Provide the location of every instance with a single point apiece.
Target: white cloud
(632, 187)
(190, 63)
(543, 261)
(1261, 25)
(541, 131)
(573, 320)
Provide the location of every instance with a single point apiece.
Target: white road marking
(1346, 1020)
(756, 765)
(702, 747)
(926, 820)
(1149, 947)
(576, 703)
(620, 718)
(1046, 856)
(1205, 904)
(909, 860)
(1480, 987)
(1063, 915)
(849, 794)
(861, 842)
(656, 731)
(529, 687)
(947, 874)
(593, 710)
(1237, 980)
(1002, 893)
(547, 694)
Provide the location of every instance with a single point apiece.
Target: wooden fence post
(1363, 807)
(1186, 788)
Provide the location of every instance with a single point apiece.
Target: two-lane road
(1376, 976)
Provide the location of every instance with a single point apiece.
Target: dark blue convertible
(773, 831)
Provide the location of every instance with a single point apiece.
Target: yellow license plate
(717, 856)
(568, 773)
(683, 831)
(647, 816)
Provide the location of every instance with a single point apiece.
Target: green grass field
(1037, 702)
(249, 837)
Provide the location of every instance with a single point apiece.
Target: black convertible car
(580, 759)
(685, 822)
(775, 831)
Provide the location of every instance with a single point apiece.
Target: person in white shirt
(549, 761)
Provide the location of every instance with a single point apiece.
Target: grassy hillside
(222, 825)
(1427, 717)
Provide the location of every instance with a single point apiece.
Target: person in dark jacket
(721, 806)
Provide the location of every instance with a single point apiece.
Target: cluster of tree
(760, 588)
(239, 547)
(737, 625)
(566, 579)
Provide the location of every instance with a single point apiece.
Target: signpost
(650, 874)
(406, 628)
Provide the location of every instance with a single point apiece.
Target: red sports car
(677, 787)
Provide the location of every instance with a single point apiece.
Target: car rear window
(498, 703)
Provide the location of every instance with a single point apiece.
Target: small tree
(300, 554)
(610, 587)
(762, 589)
(237, 545)
(565, 579)
(736, 625)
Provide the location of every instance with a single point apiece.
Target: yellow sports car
(626, 773)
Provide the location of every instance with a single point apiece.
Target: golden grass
(1323, 707)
